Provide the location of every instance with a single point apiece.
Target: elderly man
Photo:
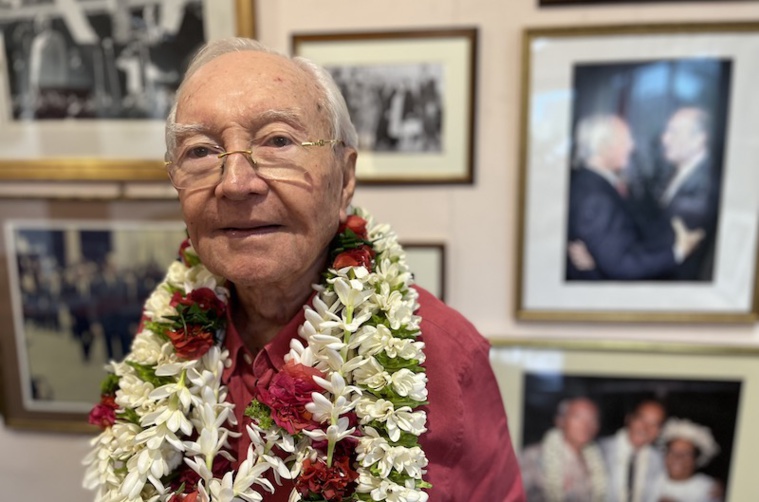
(338, 391)
(566, 466)
(605, 241)
(633, 463)
(692, 192)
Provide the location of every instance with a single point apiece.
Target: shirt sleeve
(488, 462)
(468, 446)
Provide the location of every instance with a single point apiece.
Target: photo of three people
(646, 173)
(627, 440)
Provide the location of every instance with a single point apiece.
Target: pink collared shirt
(471, 458)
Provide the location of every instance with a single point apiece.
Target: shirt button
(247, 358)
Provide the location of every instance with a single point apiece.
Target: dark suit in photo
(601, 218)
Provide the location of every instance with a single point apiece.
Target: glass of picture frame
(599, 236)
(714, 388)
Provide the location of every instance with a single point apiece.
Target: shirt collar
(274, 351)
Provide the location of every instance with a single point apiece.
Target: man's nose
(239, 177)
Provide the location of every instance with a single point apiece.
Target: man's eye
(198, 152)
(279, 141)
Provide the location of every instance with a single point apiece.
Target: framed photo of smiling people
(85, 88)
(411, 97)
(631, 422)
(638, 198)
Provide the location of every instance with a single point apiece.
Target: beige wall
(480, 282)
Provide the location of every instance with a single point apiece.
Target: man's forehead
(265, 86)
(254, 64)
(292, 116)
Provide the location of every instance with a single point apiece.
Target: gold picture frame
(713, 386)
(411, 95)
(575, 73)
(98, 149)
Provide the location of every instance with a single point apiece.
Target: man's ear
(349, 181)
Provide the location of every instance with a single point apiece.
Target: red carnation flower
(204, 298)
(184, 497)
(332, 483)
(182, 252)
(190, 342)
(359, 257)
(286, 393)
(356, 224)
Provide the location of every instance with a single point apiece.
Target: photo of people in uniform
(627, 439)
(78, 59)
(80, 292)
(647, 170)
(396, 108)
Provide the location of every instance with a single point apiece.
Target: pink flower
(104, 413)
(286, 393)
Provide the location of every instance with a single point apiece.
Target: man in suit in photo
(692, 191)
(633, 463)
(612, 245)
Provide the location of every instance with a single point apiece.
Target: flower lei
(554, 462)
(341, 419)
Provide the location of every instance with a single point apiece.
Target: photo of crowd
(81, 292)
(627, 440)
(646, 173)
(395, 108)
(78, 59)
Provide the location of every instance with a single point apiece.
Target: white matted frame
(62, 303)
(412, 97)
(552, 59)
(97, 149)
(688, 380)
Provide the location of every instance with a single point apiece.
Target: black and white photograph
(627, 439)
(80, 59)
(78, 289)
(635, 155)
(395, 108)
(410, 95)
(646, 169)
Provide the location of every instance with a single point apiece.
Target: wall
(481, 284)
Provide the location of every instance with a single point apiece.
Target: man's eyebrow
(288, 115)
(181, 130)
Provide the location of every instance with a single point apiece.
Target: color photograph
(635, 166)
(77, 291)
(619, 422)
(646, 170)
(628, 439)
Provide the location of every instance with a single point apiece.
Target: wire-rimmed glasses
(202, 165)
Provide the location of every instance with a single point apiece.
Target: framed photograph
(427, 263)
(85, 88)
(73, 278)
(410, 96)
(637, 200)
(641, 422)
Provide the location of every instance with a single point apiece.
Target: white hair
(591, 135)
(332, 100)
